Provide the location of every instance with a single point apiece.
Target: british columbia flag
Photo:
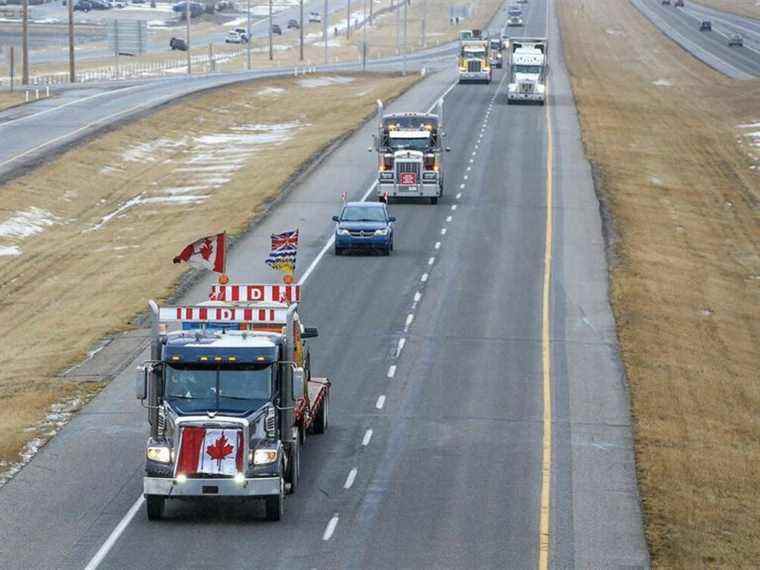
(282, 257)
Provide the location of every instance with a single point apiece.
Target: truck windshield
(409, 144)
(475, 54)
(362, 214)
(533, 69)
(231, 389)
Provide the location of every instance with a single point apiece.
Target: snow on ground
(749, 126)
(271, 91)
(9, 250)
(662, 83)
(324, 82)
(199, 165)
(25, 224)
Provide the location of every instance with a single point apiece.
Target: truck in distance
(410, 152)
(528, 65)
(496, 52)
(230, 398)
(474, 61)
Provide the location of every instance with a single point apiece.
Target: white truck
(528, 66)
(410, 155)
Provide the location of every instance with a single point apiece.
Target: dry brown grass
(74, 284)
(686, 275)
(749, 8)
(10, 99)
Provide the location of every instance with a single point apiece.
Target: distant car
(315, 18)
(679, 4)
(666, 2)
(138, 1)
(276, 29)
(234, 37)
(705, 26)
(196, 9)
(736, 41)
(293, 24)
(364, 225)
(514, 11)
(515, 21)
(100, 5)
(243, 33)
(178, 43)
(522, 1)
(83, 6)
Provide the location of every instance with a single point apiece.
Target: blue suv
(364, 225)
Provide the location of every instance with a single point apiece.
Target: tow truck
(410, 154)
(474, 59)
(230, 398)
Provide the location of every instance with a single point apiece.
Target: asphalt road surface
(435, 453)
(682, 26)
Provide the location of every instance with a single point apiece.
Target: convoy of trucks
(410, 153)
(230, 398)
(474, 57)
(528, 65)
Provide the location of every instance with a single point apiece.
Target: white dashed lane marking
(367, 438)
(431, 261)
(380, 402)
(437, 245)
(460, 194)
(392, 371)
(448, 219)
(350, 479)
(331, 527)
(400, 347)
(443, 231)
(424, 278)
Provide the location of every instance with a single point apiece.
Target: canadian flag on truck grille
(210, 451)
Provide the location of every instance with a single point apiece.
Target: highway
(682, 26)
(508, 377)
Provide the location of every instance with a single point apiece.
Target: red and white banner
(206, 253)
(264, 315)
(251, 293)
(210, 451)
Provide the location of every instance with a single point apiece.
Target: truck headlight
(381, 232)
(429, 175)
(385, 175)
(343, 232)
(160, 454)
(264, 456)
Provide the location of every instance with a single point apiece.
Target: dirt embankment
(88, 237)
(681, 180)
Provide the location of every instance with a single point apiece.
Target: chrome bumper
(474, 76)
(526, 96)
(429, 189)
(166, 487)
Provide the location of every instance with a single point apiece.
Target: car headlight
(343, 232)
(264, 456)
(161, 454)
(381, 232)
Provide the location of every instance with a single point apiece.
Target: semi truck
(410, 153)
(528, 66)
(230, 398)
(474, 58)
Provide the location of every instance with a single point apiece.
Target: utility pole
(406, 24)
(424, 22)
(248, 39)
(301, 29)
(187, 36)
(25, 42)
(371, 11)
(72, 69)
(348, 19)
(271, 50)
(364, 34)
(324, 29)
(398, 26)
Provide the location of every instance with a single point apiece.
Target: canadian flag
(210, 451)
(206, 253)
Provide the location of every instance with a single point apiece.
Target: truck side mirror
(391, 218)
(310, 332)
(141, 383)
(448, 149)
(299, 377)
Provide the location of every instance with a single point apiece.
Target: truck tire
(434, 200)
(155, 507)
(274, 506)
(294, 469)
(338, 250)
(320, 422)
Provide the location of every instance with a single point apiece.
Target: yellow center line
(546, 459)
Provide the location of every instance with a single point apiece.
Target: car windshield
(533, 69)
(222, 388)
(409, 144)
(362, 214)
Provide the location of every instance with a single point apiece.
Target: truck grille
(408, 173)
(473, 66)
(526, 87)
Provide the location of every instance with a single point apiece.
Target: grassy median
(8, 99)
(86, 239)
(680, 178)
(750, 8)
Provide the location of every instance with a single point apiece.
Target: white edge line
(115, 534)
(331, 527)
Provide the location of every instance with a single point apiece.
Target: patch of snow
(655, 180)
(144, 152)
(324, 82)
(662, 83)
(9, 250)
(25, 224)
(749, 126)
(612, 32)
(271, 91)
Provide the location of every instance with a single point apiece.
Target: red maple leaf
(206, 249)
(220, 449)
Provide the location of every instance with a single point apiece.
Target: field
(10, 99)
(749, 8)
(87, 238)
(677, 148)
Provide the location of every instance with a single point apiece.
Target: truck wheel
(320, 422)
(434, 200)
(294, 471)
(155, 507)
(275, 505)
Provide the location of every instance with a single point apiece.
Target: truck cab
(474, 61)
(528, 59)
(410, 155)
(230, 398)
(496, 52)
